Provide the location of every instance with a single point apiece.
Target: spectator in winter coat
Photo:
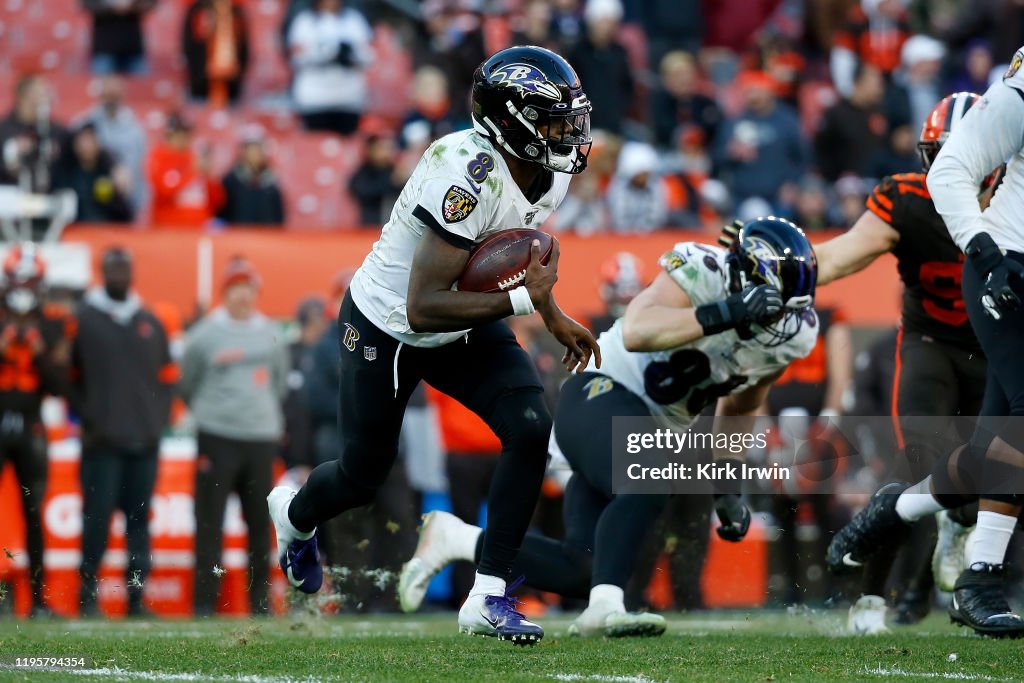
(102, 186)
(853, 131)
(121, 134)
(602, 63)
(377, 182)
(760, 150)
(216, 50)
(678, 101)
(184, 192)
(251, 192)
(637, 196)
(330, 50)
(31, 142)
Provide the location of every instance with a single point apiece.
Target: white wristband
(522, 304)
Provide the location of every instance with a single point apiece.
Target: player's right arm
(663, 316)
(855, 249)
(660, 317)
(433, 306)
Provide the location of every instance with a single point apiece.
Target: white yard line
(599, 678)
(119, 674)
(938, 675)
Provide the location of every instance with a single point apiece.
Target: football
(499, 263)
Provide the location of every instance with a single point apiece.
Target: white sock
(290, 528)
(462, 542)
(487, 585)
(916, 502)
(989, 540)
(607, 594)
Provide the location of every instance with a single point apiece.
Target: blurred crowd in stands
(312, 113)
(266, 108)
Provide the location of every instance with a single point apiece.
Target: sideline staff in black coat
(122, 373)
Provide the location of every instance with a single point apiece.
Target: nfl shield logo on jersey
(458, 204)
(370, 352)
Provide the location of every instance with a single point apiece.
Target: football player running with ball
(992, 463)
(715, 326)
(401, 322)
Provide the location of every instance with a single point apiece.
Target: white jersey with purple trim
(680, 382)
(989, 134)
(463, 191)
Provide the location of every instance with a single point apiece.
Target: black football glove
(1003, 276)
(733, 517)
(754, 304)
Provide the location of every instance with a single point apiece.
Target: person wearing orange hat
(234, 379)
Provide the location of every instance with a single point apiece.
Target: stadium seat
(389, 77)
(314, 169)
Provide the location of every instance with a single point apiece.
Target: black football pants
(487, 371)
(604, 533)
(27, 453)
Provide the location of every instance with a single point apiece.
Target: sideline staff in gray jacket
(234, 378)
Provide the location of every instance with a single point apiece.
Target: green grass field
(721, 646)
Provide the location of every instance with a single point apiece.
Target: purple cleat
(299, 557)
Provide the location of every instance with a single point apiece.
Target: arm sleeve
(882, 200)
(454, 211)
(991, 132)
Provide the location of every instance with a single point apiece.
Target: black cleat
(871, 528)
(979, 602)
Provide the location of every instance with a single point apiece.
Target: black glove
(733, 517)
(754, 304)
(1003, 276)
(345, 56)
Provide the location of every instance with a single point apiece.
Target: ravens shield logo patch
(1014, 65)
(457, 204)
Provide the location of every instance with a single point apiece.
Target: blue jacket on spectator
(778, 153)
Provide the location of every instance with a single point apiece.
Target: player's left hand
(578, 341)
(733, 517)
(1001, 289)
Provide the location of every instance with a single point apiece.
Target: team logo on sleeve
(457, 204)
(671, 260)
(527, 79)
(1018, 59)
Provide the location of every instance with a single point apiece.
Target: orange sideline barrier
(294, 264)
(168, 590)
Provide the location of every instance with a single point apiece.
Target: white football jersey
(462, 190)
(679, 383)
(989, 134)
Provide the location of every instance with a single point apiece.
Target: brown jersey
(34, 360)
(929, 262)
